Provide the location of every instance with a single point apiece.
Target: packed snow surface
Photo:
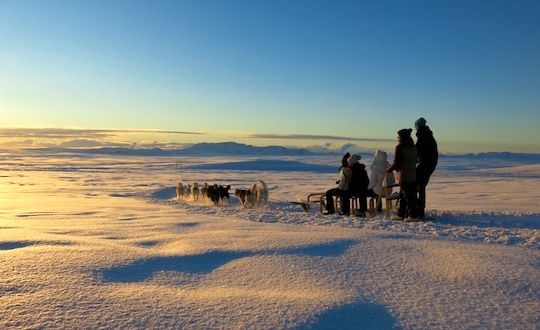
(97, 241)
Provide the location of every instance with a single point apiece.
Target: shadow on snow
(205, 263)
(357, 315)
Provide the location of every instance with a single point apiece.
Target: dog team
(256, 195)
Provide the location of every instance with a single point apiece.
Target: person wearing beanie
(348, 185)
(420, 122)
(405, 133)
(427, 158)
(405, 166)
(358, 184)
(354, 159)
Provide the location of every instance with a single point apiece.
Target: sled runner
(305, 206)
(311, 200)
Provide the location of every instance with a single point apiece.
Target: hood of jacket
(424, 131)
(380, 156)
(380, 162)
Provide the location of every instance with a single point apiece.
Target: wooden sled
(311, 200)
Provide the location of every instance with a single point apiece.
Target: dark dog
(213, 193)
(218, 193)
(246, 196)
(224, 193)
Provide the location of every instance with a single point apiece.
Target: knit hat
(420, 122)
(406, 132)
(354, 159)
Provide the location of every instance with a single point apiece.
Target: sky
(291, 73)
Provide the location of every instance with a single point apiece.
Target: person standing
(427, 158)
(405, 166)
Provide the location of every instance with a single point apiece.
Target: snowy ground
(95, 241)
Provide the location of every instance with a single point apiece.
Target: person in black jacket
(353, 183)
(358, 183)
(427, 158)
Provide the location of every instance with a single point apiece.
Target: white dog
(204, 190)
(262, 192)
(180, 191)
(195, 191)
(188, 191)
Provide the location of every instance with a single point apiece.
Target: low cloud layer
(312, 137)
(67, 133)
(88, 138)
(98, 134)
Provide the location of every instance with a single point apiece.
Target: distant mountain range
(233, 148)
(202, 149)
(239, 149)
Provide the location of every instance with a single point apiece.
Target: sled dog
(218, 193)
(204, 190)
(213, 193)
(224, 193)
(247, 196)
(262, 192)
(179, 190)
(195, 191)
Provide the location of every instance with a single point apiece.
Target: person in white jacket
(378, 172)
(343, 186)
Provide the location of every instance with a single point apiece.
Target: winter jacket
(405, 161)
(344, 177)
(359, 180)
(378, 171)
(428, 153)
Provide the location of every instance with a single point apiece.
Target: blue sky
(303, 73)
